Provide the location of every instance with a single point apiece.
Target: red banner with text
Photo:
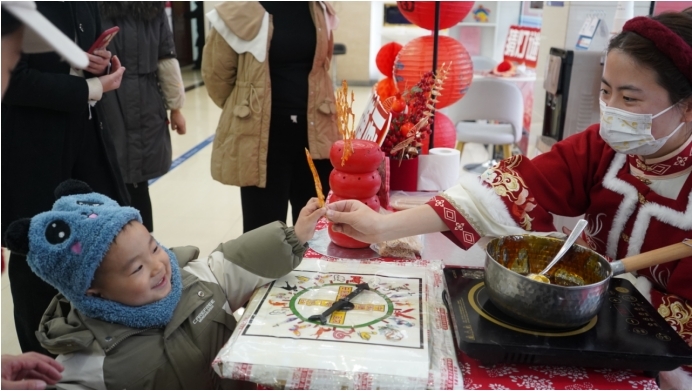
(522, 45)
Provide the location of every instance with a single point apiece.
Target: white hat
(42, 36)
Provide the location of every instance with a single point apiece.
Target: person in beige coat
(266, 64)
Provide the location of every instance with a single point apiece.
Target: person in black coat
(52, 130)
(136, 112)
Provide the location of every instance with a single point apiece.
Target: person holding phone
(136, 112)
(24, 29)
(53, 130)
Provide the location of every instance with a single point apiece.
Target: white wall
(355, 32)
(376, 18)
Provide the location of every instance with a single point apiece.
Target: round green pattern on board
(388, 303)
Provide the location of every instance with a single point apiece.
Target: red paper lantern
(422, 13)
(445, 132)
(415, 59)
(386, 56)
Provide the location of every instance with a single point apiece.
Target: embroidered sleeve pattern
(510, 186)
(678, 313)
(461, 232)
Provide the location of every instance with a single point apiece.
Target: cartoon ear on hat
(17, 236)
(71, 187)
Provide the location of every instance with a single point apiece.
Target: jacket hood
(63, 329)
(243, 18)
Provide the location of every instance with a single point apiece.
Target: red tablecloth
(515, 376)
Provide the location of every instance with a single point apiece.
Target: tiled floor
(190, 207)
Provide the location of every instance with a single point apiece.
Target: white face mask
(630, 133)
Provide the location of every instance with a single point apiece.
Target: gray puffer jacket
(102, 355)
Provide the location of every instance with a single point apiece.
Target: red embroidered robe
(583, 175)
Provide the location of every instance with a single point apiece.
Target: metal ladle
(541, 277)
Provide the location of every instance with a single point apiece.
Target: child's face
(135, 271)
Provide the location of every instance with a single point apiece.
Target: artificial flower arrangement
(412, 116)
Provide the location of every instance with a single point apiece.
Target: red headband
(669, 43)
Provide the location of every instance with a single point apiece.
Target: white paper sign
(374, 123)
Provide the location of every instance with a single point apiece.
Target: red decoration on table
(373, 202)
(366, 156)
(398, 105)
(422, 13)
(386, 88)
(504, 69)
(415, 59)
(343, 240)
(406, 129)
(403, 174)
(411, 107)
(356, 178)
(504, 66)
(354, 185)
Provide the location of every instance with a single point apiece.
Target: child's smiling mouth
(160, 283)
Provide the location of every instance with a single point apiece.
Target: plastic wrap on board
(345, 324)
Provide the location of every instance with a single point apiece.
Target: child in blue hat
(132, 314)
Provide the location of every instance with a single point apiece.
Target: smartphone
(104, 39)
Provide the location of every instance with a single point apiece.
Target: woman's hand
(29, 371)
(98, 62)
(355, 219)
(178, 122)
(307, 220)
(112, 81)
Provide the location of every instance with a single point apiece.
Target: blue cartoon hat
(66, 245)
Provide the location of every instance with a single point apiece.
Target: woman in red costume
(630, 175)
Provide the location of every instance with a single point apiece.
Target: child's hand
(307, 220)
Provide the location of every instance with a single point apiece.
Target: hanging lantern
(445, 132)
(386, 56)
(422, 13)
(415, 59)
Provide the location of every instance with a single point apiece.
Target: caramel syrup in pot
(530, 254)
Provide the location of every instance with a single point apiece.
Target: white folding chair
(491, 112)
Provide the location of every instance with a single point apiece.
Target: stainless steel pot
(509, 259)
